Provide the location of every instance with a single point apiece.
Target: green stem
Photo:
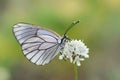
(76, 72)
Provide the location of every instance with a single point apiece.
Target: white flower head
(75, 51)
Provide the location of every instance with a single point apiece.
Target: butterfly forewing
(39, 45)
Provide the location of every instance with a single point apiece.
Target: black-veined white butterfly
(39, 45)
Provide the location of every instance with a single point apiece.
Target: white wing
(39, 45)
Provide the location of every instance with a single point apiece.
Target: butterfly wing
(39, 45)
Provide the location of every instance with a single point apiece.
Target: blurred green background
(99, 29)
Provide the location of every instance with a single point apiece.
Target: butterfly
(39, 45)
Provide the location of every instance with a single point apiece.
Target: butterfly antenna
(73, 24)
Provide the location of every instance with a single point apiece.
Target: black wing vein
(53, 51)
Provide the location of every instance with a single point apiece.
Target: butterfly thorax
(64, 40)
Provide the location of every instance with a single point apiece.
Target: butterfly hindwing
(39, 45)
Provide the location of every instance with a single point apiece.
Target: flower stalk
(76, 71)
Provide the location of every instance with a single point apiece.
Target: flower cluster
(75, 51)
